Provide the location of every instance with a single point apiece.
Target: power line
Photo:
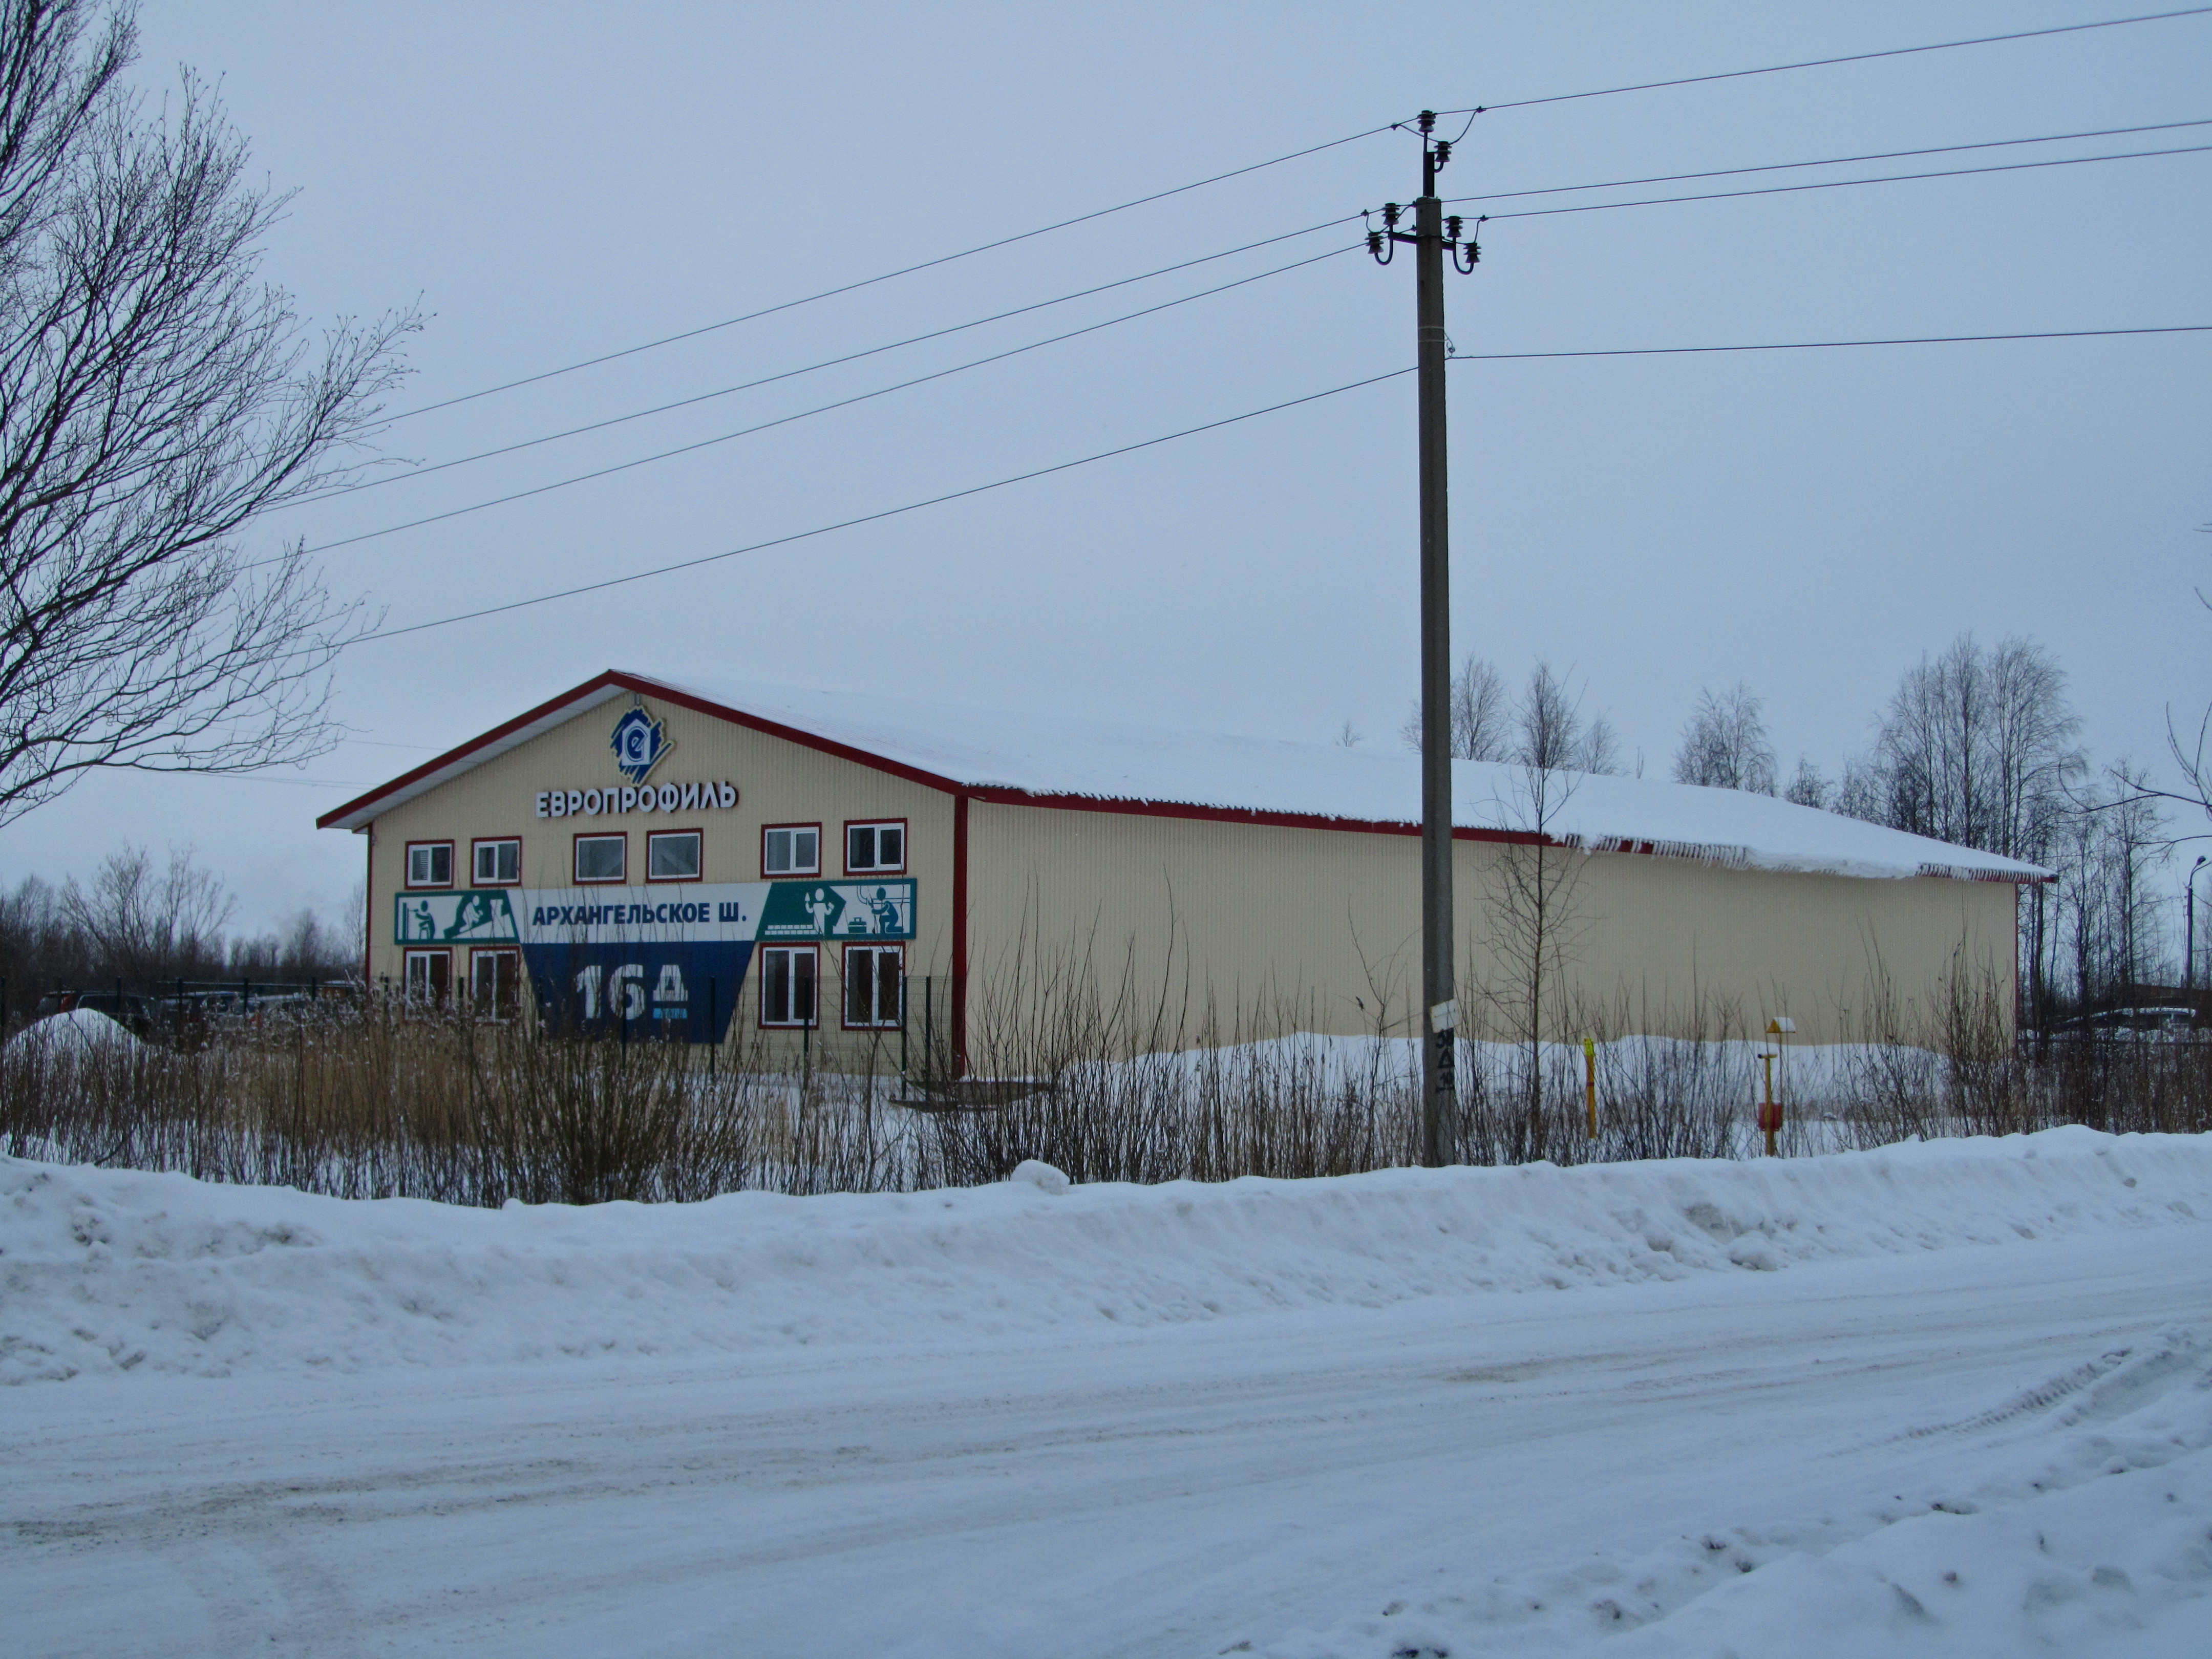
(903, 270)
(297, 783)
(1830, 345)
(1829, 162)
(955, 328)
(1824, 63)
(1845, 184)
(1232, 420)
(822, 408)
(1238, 172)
(810, 368)
(873, 518)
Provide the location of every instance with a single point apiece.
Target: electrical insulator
(1390, 214)
(1451, 228)
(1444, 151)
(1374, 242)
(1428, 121)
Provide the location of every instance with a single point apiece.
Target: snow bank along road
(1953, 1398)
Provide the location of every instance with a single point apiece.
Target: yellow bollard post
(1769, 1116)
(1590, 1080)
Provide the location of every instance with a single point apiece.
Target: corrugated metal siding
(1269, 926)
(1258, 918)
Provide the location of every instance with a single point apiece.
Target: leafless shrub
(356, 1101)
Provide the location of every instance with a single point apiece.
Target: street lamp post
(2189, 926)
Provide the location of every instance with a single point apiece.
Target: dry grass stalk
(1107, 1084)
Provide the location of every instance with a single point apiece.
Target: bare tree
(1725, 745)
(143, 924)
(1975, 747)
(1599, 751)
(1550, 734)
(1480, 714)
(1808, 787)
(1535, 907)
(1536, 926)
(2032, 755)
(1863, 791)
(1544, 728)
(2192, 753)
(2107, 921)
(2135, 842)
(353, 932)
(156, 396)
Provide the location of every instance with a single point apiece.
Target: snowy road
(1506, 1469)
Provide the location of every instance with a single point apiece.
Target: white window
(495, 983)
(872, 986)
(430, 864)
(672, 855)
(875, 847)
(429, 977)
(602, 858)
(499, 863)
(787, 985)
(791, 849)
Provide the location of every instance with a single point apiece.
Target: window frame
(846, 1021)
(511, 954)
(768, 874)
(407, 868)
(652, 836)
(813, 1022)
(474, 842)
(424, 953)
(853, 869)
(576, 852)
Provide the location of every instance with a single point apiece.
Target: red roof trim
(616, 679)
(995, 794)
(505, 729)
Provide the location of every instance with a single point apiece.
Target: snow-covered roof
(1054, 759)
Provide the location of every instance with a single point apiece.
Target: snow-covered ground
(1952, 1399)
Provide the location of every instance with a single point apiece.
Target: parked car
(137, 1014)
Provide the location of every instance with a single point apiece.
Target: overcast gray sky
(556, 182)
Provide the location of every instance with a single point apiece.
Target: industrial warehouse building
(703, 861)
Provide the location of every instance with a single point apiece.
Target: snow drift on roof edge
(1049, 755)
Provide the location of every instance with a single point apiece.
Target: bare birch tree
(1481, 714)
(1543, 727)
(2107, 922)
(1808, 787)
(1975, 747)
(156, 398)
(1550, 734)
(1724, 745)
(1535, 910)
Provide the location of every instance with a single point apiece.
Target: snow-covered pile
(106, 1271)
(1809, 1074)
(79, 1029)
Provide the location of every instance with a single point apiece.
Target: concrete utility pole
(1433, 236)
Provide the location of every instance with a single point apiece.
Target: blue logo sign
(639, 743)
